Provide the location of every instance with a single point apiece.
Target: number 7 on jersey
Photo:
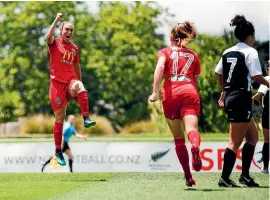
(233, 62)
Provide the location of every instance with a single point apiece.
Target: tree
(123, 54)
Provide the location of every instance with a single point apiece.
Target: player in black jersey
(238, 65)
(264, 92)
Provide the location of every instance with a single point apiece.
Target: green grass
(123, 186)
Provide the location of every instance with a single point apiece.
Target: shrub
(40, 124)
(37, 124)
(140, 127)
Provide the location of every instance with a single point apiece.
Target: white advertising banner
(116, 157)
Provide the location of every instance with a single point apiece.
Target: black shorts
(65, 147)
(265, 119)
(238, 105)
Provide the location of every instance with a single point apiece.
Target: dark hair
(243, 28)
(182, 31)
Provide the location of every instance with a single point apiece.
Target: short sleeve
(161, 53)
(51, 46)
(77, 57)
(219, 67)
(253, 64)
(197, 70)
(74, 131)
(263, 89)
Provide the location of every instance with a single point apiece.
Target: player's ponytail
(183, 31)
(243, 28)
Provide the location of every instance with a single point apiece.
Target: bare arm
(258, 96)
(158, 75)
(223, 92)
(81, 136)
(78, 71)
(50, 37)
(220, 81)
(261, 80)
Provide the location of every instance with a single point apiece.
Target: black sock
(70, 162)
(229, 161)
(265, 155)
(247, 155)
(58, 150)
(48, 161)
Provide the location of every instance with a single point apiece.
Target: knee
(77, 87)
(253, 141)
(234, 146)
(60, 118)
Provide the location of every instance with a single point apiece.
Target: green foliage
(117, 47)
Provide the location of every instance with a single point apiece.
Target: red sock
(83, 103)
(57, 133)
(194, 138)
(182, 154)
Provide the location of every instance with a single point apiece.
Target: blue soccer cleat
(88, 122)
(60, 158)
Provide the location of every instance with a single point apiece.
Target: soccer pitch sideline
(123, 186)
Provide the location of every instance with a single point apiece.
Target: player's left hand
(154, 97)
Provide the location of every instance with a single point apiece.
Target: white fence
(115, 157)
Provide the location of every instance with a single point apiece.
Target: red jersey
(63, 56)
(181, 66)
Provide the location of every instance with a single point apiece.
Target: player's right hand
(221, 99)
(59, 16)
(154, 97)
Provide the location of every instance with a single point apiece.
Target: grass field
(124, 186)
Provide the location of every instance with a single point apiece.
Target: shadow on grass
(204, 189)
(86, 180)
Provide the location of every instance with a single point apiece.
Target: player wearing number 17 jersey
(180, 67)
(238, 65)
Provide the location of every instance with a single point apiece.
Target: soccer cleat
(248, 181)
(265, 170)
(60, 158)
(226, 183)
(88, 122)
(190, 182)
(196, 159)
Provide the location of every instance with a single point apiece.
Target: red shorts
(59, 94)
(176, 107)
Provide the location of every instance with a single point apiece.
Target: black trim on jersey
(235, 71)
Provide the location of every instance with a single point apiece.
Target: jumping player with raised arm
(180, 68)
(65, 80)
(237, 66)
(263, 92)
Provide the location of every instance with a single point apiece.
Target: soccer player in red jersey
(180, 68)
(65, 80)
